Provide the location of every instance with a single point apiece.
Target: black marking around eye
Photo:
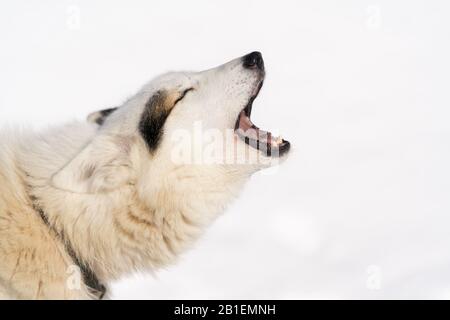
(103, 115)
(185, 92)
(153, 119)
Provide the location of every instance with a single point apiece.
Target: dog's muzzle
(245, 129)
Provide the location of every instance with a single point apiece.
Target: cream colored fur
(122, 207)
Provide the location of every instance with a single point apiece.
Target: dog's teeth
(277, 140)
(274, 140)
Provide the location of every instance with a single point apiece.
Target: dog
(88, 202)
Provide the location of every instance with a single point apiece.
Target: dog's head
(185, 118)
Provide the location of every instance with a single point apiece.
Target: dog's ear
(102, 166)
(99, 117)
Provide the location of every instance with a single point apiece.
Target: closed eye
(185, 92)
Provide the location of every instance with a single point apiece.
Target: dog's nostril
(254, 60)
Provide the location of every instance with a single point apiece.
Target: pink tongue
(248, 130)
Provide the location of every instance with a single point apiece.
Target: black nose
(254, 60)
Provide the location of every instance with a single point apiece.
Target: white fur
(122, 207)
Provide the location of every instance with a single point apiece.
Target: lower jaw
(267, 149)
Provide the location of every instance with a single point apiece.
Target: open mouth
(264, 141)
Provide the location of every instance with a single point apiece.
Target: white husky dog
(88, 202)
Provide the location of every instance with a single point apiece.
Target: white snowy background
(360, 88)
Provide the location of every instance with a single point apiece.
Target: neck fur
(130, 228)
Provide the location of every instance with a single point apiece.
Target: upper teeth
(277, 140)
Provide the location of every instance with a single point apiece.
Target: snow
(360, 88)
